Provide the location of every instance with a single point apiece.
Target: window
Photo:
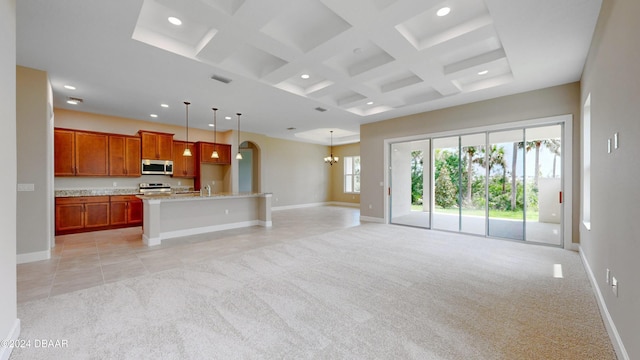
(352, 174)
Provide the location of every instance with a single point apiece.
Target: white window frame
(352, 175)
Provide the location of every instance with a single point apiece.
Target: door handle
(560, 197)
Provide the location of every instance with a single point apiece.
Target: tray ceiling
(363, 60)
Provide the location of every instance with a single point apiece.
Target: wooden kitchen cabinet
(74, 214)
(92, 154)
(205, 149)
(184, 166)
(125, 210)
(156, 145)
(80, 153)
(124, 155)
(64, 152)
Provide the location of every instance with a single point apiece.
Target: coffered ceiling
(296, 69)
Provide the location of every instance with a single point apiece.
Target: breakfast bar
(177, 215)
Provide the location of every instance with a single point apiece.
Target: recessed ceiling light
(305, 76)
(370, 103)
(154, 115)
(211, 125)
(227, 117)
(164, 105)
(483, 72)
(174, 20)
(443, 11)
(69, 87)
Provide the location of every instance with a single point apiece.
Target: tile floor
(84, 260)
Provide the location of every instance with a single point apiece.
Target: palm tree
(555, 146)
(496, 158)
(514, 162)
(470, 151)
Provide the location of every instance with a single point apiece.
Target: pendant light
(214, 154)
(331, 159)
(239, 156)
(187, 151)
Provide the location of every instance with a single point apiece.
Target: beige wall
(612, 77)
(337, 174)
(295, 173)
(9, 323)
(548, 102)
(35, 164)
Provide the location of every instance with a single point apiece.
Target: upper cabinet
(92, 154)
(184, 166)
(156, 145)
(205, 149)
(80, 153)
(124, 155)
(64, 152)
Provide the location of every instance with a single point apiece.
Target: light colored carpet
(369, 292)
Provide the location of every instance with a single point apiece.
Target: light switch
(615, 140)
(608, 146)
(26, 187)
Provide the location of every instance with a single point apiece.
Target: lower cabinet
(75, 214)
(126, 210)
(90, 213)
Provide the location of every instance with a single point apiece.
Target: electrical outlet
(115, 184)
(614, 285)
(226, 211)
(608, 276)
(370, 206)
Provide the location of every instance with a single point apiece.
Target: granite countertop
(107, 191)
(195, 195)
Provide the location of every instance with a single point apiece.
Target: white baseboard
(33, 256)
(328, 203)
(299, 206)
(5, 351)
(345, 204)
(616, 340)
(208, 229)
(150, 241)
(265, 223)
(372, 219)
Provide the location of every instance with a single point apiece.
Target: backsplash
(108, 191)
(95, 186)
(77, 182)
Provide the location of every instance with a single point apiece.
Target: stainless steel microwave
(157, 167)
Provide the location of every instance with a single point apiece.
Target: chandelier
(331, 159)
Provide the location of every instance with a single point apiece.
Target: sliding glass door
(544, 198)
(506, 191)
(410, 195)
(446, 183)
(472, 176)
(505, 184)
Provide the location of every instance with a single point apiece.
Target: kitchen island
(176, 215)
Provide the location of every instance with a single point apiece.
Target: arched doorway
(249, 168)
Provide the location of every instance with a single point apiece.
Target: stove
(154, 188)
